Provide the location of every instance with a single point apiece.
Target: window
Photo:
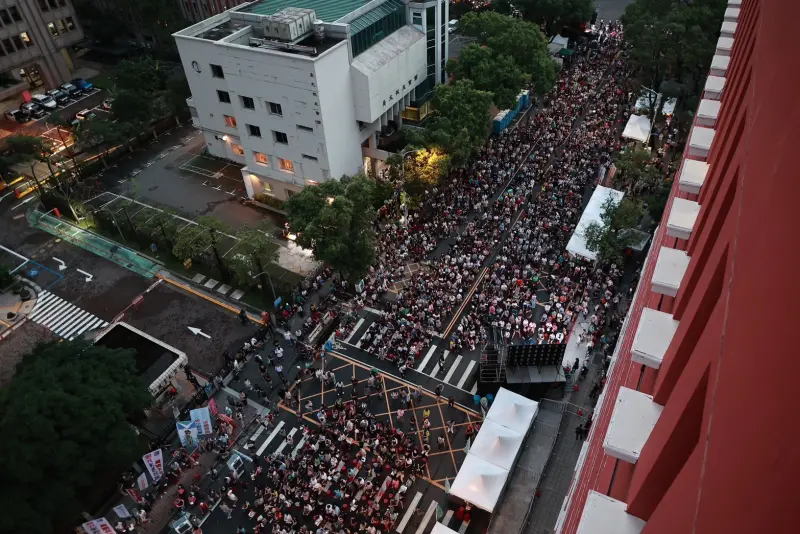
(305, 128)
(52, 28)
(248, 103)
(267, 187)
(70, 23)
(4, 16)
(26, 39)
(237, 149)
(62, 28)
(17, 42)
(290, 193)
(53, 4)
(286, 165)
(260, 158)
(8, 46)
(230, 121)
(255, 131)
(43, 6)
(311, 158)
(15, 13)
(216, 71)
(280, 137)
(416, 18)
(224, 97)
(275, 109)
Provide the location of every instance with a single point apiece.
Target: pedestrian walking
(451, 401)
(442, 442)
(439, 390)
(579, 433)
(451, 426)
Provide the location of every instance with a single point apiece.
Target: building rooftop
(327, 10)
(222, 30)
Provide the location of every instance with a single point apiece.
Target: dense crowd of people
(524, 189)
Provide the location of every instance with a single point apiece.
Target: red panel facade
(724, 454)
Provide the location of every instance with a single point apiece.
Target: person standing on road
(227, 510)
(439, 390)
(243, 316)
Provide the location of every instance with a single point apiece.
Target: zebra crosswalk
(458, 371)
(63, 318)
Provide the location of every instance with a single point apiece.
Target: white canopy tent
(577, 243)
(512, 411)
(557, 43)
(497, 444)
(439, 528)
(638, 128)
(479, 482)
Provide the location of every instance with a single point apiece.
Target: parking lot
(45, 126)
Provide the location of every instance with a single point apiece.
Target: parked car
(85, 114)
(17, 115)
(34, 110)
(83, 85)
(61, 97)
(71, 90)
(45, 101)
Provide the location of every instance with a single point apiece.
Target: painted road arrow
(197, 331)
(87, 275)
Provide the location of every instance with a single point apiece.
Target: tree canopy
(553, 14)
(672, 42)
(491, 72)
(336, 220)
(509, 37)
(64, 425)
(607, 239)
(253, 254)
(635, 174)
(461, 121)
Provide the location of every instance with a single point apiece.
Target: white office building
(300, 91)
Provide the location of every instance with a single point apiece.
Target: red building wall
(724, 456)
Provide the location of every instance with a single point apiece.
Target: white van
(452, 25)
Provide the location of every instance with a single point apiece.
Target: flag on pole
(483, 413)
(439, 512)
(466, 447)
(141, 482)
(447, 485)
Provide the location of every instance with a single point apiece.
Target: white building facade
(298, 94)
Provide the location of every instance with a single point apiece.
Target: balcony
(682, 218)
(724, 45)
(714, 87)
(604, 515)
(653, 336)
(693, 176)
(708, 112)
(670, 268)
(728, 29)
(633, 419)
(700, 141)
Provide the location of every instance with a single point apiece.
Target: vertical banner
(141, 482)
(134, 494)
(154, 461)
(212, 406)
(202, 418)
(105, 526)
(91, 527)
(447, 486)
(121, 511)
(467, 446)
(188, 434)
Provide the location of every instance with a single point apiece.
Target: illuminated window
(286, 165)
(260, 158)
(26, 39)
(237, 149)
(52, 28)
(230, 121)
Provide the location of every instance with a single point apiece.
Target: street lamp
(274, 297)
(403, 196)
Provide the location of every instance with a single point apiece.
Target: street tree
(461, 120)
(143, 75)
(64, 425)
(101, 135)
(191, 243)
(253, 254)
(607, 238)
(635, 173)
(216, 230)
(31, 150)
(161, 227)
(553, 15)
(489, 71)
(336, 220)
(672, 41)
(132, 110)
(522, 41)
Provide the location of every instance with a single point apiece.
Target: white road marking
(466, 374)
(409, 511)
(452, 370)
(358, 325)
(427, 358)
(264, 445)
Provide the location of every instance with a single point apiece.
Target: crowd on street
(524, 189)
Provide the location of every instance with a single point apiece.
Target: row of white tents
(487, 467)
